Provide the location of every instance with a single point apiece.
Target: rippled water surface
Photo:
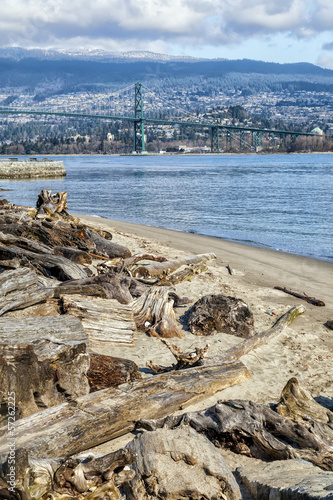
(279, 201)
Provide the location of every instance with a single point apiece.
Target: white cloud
(158, 22)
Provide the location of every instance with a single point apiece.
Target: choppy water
(283, 202)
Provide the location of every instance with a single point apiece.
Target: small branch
(310, 300)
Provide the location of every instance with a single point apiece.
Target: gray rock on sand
(286, 480)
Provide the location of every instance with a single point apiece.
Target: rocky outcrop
(32, 168)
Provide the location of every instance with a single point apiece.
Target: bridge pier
(215, 141)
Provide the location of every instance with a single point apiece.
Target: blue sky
(269, 30)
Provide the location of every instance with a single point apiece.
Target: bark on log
(104, 415)
(107, 247)
(254, 430)
(153, 312)
(310, 300)
(49, 265)
(58, 329)
(213, 313)
(108, 371)
(105, 321)
(41, 375)
(72, 288)
(259, 339)
(21, 288)
(179, 464)
(169, 266)
(93, 476)
(73, 254)
(48, 308)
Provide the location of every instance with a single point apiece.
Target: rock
(214, 313)
(108, 371)
(286, 479)
(329, 324)
(180, 463)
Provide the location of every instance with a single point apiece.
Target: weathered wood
(116, 286)
(230, 270)
(50, 265)
(179, 464)
(169, 266)
(105, 321)
(73, 288)
(185, 274)
(52, 203)
(259, 339)
(106, 414)
(21, 288)
(213, 313)
(58, 329)
(73, 254)
(48, 308)
(25, 243)
(310, 300)
(184, 359)
(254, 430)
(153, 312)
(329, 324)
(93, 477)
(107, 247)
(108, 371)
(41, 375)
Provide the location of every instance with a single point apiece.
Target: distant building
(329, 132)
(317, 131)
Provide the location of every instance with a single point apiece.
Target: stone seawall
(31, 169)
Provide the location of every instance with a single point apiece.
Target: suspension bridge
(246, 137)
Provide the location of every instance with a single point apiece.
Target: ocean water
(283, 202)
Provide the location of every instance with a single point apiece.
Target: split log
(108, 371)
(105, 321)
(179, 464)
(107, 247)
(58, 329)
(21, 288)
(259, 339)
(92, 476)
(310, 300)
(153, 312)
(170, 265)
(213, 313)
(254, 430)
(48, 308)
(116, 286)
(105, 415)
(41, 375)
(73, 254)
(49, 265)
(184, 359)
(25, 243)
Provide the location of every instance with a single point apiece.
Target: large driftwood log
(92, 476)
(255, 430)
(41, 375)
(213, 313)
(104, 415)
(116, 286)
(153, 312)
(105, 321)
(73, 254)
(108, 371)
(259, 339)
(21, 288)
(179, 464)
(49, 265)
(25, 243)
(158, 269)
(58, 329)
(107, 247)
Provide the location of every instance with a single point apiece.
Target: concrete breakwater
(31, 168)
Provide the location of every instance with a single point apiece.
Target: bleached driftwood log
(50, 265)
(58, 329)
(21, 288)
(91, 476)
(105, 321)
(179, 464)
(157, 269)
(104, 415)
(41, 374)
(52, 203)
(153, 312)
(25, 243)
(255, 430)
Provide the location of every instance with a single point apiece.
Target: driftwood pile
(66, 289)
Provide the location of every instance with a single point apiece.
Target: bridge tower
(215, 142)
(139, 130)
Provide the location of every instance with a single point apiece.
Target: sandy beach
(304, 350)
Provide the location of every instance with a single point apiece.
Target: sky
(269, 30)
